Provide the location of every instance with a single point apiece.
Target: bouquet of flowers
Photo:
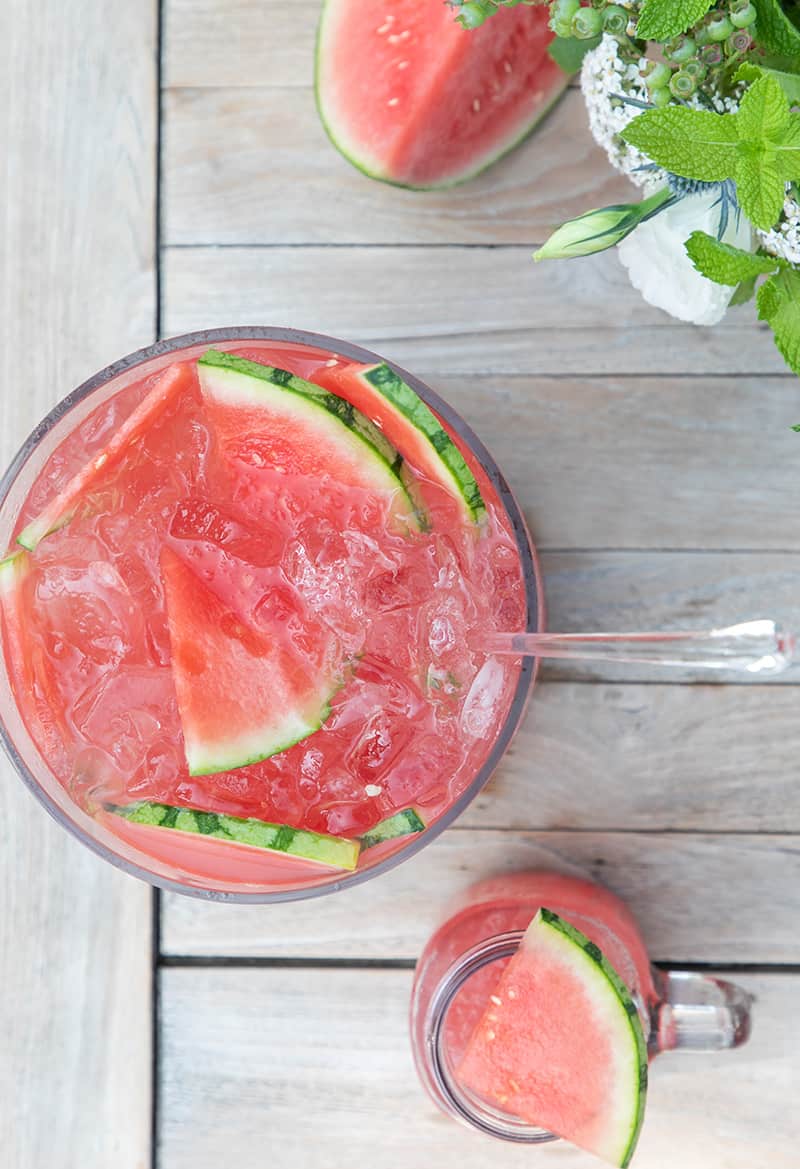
(694, 100)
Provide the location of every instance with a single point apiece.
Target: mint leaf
(663, 19)
(568, 52)
(724, 263)
(693, 143)
(763, 111)
(744, 292)
(789, 82)
(775, 31)
(759, 185)
(779, 305)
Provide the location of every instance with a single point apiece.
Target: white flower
(784, 239)
(659, 268)
(604, 74)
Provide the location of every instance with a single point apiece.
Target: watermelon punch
(535, 1012)
(245, 572)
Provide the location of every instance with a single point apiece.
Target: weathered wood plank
(313, 1062)
(77, 130)
(478, 310)
(725, 898)
(246, 166)
(243, 43)
(605, 590)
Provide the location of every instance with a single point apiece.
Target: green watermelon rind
(335, 851)
(227, 377)
(12, 569)
(610, 980)
(405, 823)
(455, 473)
(381, 177)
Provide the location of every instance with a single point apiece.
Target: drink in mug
(247, 578)
(529, 1035)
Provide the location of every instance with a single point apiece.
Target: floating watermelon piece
(409, 425)
(337, 851)
(242, 695)
(410, 97)
(270, 417)
(405, 823)
(175, 380)
(561, 1043)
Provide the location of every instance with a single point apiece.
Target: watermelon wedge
(175, 380)
(405, 823)
(242, 695)
(411, 98)
(336, 851)
(269, 417)
(409, 425)
(561, 1043)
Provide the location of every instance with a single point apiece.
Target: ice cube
(481, 703)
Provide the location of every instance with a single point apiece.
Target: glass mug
(463, 960)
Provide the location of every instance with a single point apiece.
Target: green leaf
(744, 292)
(724, 263)
(696, 144)
(789, 82)
(763, 111)
(568, 52)
(759, 185)
(663, 19)
(775, 31)
(779, 305)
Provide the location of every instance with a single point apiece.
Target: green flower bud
(739, 42)
(561, 14)
(680, 49)
(660, 97)
(655, 74)
(742, 13)
(616, 20)
(695, 69)
(719, 27)
(587, 23)
(711, 55)
(682, 85)
(600, 229)
(473, 14)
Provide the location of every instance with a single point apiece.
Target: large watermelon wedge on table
(410, 97)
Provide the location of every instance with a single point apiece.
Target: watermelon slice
(242, 695)
(405, 823)
(411, 98)
(561, 1043)
(337, 851)
(410, 426)
(269, 417)
(175, 380)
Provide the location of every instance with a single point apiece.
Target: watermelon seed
(476, 105)
(512, 994)
(490, 1035)
(498, 1002)
(387, 24)
(393, 101)
(403, 64)
(508, 67)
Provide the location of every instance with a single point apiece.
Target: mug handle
(696, 1012)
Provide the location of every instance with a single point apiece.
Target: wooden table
(166, 171)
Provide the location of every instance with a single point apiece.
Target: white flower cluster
(604, 74)
(784, 239)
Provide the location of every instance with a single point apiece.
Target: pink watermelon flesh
(560, 1044)
(412, 98)
(243, 695)
(176, 379)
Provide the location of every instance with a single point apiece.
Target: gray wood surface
(698, 897)
(77, 136)
(313, 1067)
(459, 310)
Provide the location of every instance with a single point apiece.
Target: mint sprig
(724, 263)
(778, 303)
(661, 20)
(776, 33)
(759, 146)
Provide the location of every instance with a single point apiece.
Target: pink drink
(416, 721)
(485, 913)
